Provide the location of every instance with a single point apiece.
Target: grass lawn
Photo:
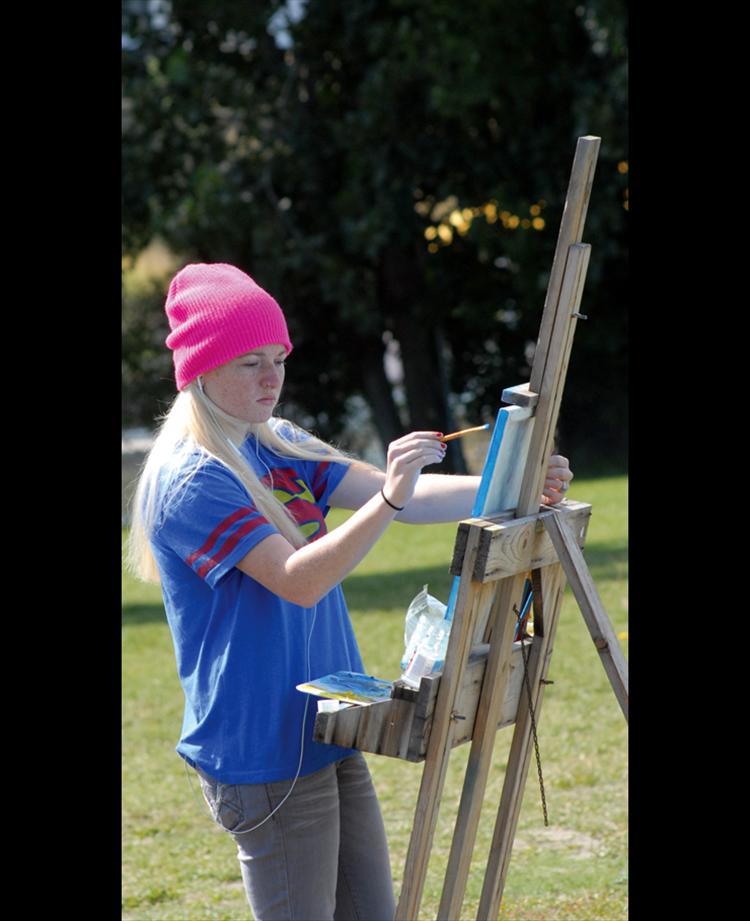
(178, 865)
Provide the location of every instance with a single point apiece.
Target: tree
(390, 168)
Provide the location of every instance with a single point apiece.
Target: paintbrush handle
(476, 428)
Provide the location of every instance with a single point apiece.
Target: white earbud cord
(301, 753)
(309, 672)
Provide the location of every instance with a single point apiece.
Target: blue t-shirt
(240, 649)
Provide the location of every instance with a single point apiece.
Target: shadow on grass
(134, 614)
(368, 592)
(606, 560)
(363, 593)
(395, 589)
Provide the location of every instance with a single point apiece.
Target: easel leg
(485, 730)
(553, 584)
(591, 606)
(438, 749)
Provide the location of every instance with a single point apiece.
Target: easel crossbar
(506, 548)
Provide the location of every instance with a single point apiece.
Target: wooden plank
(509, 709)
(400, 727)
(571, 231)
(517, 545)
(565, 285)
(424, 710)
(553, 382)
(323, 728)
(341, 725)
(438, 751)
(467, 699)
(370, 730)
(591, 607)
(397, 737)
(553, 584)
(467, 702)
(513, 548)
(485, 599)
(520, 395)
(462, 536)
(384, 728)
(509, 593)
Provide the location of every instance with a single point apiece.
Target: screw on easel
(581, 316)
(545, 681)
(456, 716)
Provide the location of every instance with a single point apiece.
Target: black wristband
(398, 508)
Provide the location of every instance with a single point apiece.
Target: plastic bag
(426, 634)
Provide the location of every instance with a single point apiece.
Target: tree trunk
(378, 391)
(425, 380)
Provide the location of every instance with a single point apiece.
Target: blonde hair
(196, 430)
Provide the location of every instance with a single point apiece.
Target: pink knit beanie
(216, 312)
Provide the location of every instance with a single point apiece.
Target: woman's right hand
(406, 458)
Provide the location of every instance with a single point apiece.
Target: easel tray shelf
(400, 727)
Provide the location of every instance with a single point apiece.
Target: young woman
(229, 516)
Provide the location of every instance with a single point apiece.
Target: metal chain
(533, 722)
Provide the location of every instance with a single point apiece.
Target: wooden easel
(479, 689)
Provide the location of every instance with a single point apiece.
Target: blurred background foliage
(394, 172)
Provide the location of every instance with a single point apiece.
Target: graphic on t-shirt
(291, 489)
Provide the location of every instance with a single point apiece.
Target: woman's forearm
(323, 563)
(440, 497)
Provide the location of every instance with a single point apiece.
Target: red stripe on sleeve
(230, 544)
(217, 532)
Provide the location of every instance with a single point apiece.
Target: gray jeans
(322, 857)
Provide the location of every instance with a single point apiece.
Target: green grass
(178, 865)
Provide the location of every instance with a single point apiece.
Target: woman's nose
(271, 376)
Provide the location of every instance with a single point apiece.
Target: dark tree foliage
(315, 145)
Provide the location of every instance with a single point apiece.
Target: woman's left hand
(558, 480)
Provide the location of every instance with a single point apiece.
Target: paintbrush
(476, 428)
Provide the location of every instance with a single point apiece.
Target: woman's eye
(280, 363)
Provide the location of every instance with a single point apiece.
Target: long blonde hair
(195, 430)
